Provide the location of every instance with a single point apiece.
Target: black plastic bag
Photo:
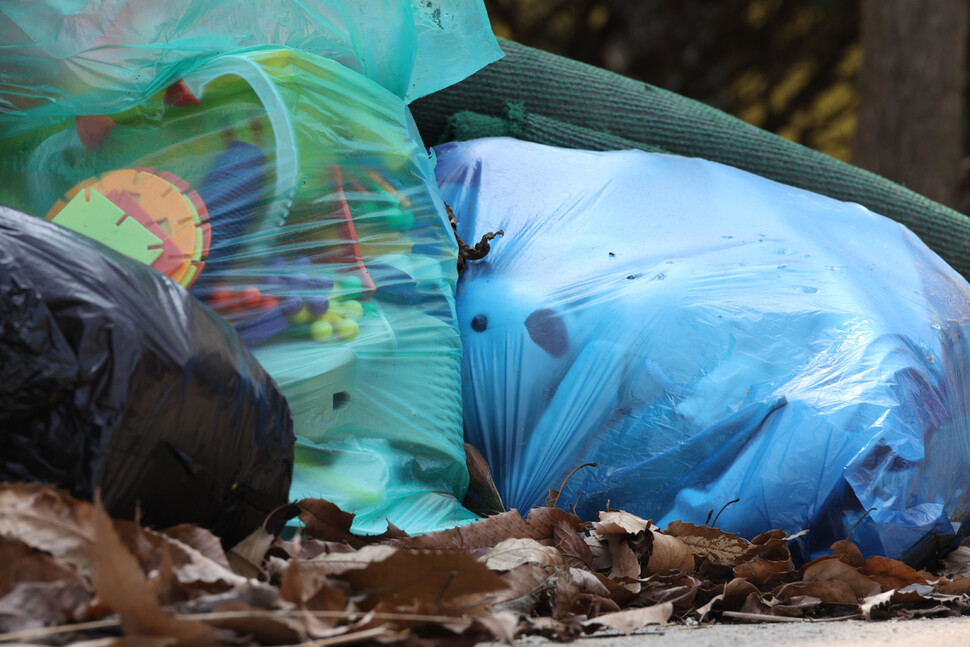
(114, 377)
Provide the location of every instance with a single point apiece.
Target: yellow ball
(321, 330)
(302, 317)
(352, 310)
(333, 317)
(347, 329)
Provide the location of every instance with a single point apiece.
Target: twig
(347, 638)
(714, 523)
(556, 500)
(60, 629)
(857, 522)
(465, 251)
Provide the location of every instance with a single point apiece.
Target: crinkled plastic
(703, 334)
(293, 196)
(113, 377)
(62, 58)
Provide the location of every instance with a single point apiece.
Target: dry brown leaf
(483, 497)
(828, 591)
(422, 577)
(486, 533)
(246, 557)
(325, 521)
(765, 574)
(890, 573)
(628, 621)
(523, 585)
(772, 546)
(873, 605)
(625, 562)
(587, 582)
(327, 598)
(510, 553)
(121, 585)
(732, 598)
(849, 552)
(187, 565)
(959, 586)
(717, 546)
(669, 554)
(21, 563)
(47, 519)
(794, 607)
(564, 594)
(31, 605)
(836, 569)
(679, 590)
(572, 545)
(502, 625)
(600, 551)
(614, 522)
(200, 540)
(291, 584)
(337, 563)
(263, 626)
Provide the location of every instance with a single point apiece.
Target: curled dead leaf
(614, 522)
(715, 545)
(628, 621)
(890, 573)
(510, 553)
(48, 519)
(669, 554)
(423, 577)
(732, 598)
(848, 552)
(625, 562)
(872, 605)
(483, 535)
(836, 569)
(828, 591)
(765, 574)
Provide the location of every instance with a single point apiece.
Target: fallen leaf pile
(71, 574)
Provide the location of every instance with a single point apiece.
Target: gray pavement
(939, 632)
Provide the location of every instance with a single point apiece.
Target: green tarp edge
(541, 97)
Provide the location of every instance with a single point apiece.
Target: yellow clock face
(152, 216)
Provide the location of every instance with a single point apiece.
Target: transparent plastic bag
(703, 335)
(293, 196)
(62, 58)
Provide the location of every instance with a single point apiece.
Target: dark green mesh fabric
(544, 98)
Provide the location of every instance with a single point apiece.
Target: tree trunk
(911, 93)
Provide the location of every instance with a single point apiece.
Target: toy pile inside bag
(702, 335)
(292, 194)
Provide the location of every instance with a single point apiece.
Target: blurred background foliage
(792, 67)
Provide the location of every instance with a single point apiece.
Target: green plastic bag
(63, 58)
(293, 196)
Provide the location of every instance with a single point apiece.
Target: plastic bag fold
(63, 58)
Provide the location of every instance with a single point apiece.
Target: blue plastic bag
(703, 334)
